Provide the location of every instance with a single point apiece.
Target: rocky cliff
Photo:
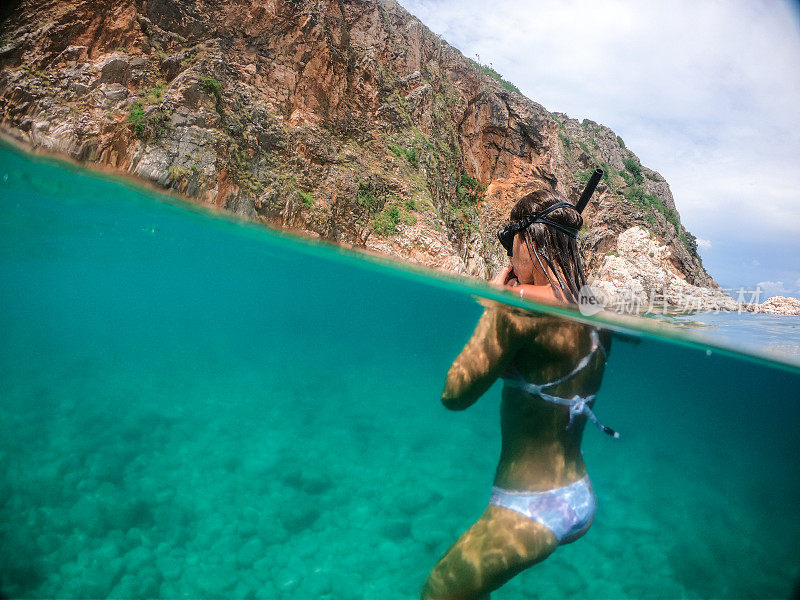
(346, 119)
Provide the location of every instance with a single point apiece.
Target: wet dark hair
(558, 251)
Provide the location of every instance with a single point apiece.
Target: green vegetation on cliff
(409, 155)
(627, 184)
(495, 75)
(136, 117)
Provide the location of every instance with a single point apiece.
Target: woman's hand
(504, 278)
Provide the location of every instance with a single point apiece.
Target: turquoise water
(776, 336)
(195, 407)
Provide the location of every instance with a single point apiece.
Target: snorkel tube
(589, 190)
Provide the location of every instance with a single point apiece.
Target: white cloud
(703, 244)
(706, 93)
(772, 288)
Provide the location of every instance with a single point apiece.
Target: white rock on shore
(777, 305)
(639, 277)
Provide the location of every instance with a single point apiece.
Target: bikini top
(578, 405)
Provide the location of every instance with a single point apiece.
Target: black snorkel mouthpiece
(589, 190)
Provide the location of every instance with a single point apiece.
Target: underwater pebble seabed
(190, 408)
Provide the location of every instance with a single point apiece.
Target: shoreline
(126, 178)
(776, 305)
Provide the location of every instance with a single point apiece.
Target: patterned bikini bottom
(566, 511)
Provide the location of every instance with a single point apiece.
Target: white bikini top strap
(582, 363)
(596, 345)
(578, 405)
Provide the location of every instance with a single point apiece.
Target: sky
(706, 92)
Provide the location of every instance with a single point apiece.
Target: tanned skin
(538, 451)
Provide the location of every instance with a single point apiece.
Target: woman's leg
(498, 546)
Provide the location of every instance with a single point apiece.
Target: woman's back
(541, 448)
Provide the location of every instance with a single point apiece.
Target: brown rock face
(349, 120)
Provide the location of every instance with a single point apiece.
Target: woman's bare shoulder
(518, 322)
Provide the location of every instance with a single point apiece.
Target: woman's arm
(481, 361)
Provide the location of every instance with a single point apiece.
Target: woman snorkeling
(552, 368)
